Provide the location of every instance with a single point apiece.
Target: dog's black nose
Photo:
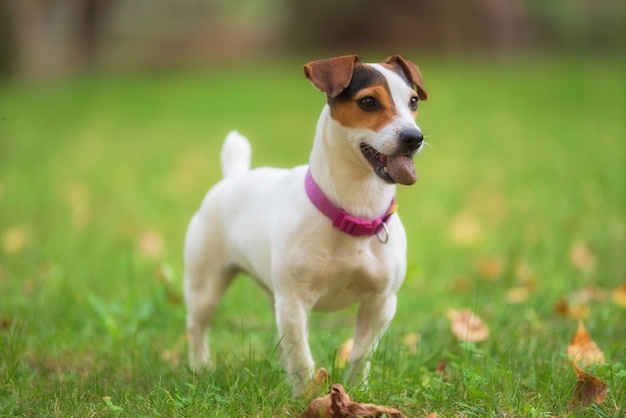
(411, 139)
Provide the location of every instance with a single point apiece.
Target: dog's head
(377, 103)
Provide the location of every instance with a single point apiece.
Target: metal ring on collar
(386, 238)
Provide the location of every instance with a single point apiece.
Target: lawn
(519, 215)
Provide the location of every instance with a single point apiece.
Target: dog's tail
(236, 155)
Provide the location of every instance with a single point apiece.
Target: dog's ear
(411, 71)
(331, 75)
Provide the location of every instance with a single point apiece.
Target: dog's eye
(413, 103)
(367, 103)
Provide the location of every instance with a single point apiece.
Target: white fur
(261, 222)
(236, 155)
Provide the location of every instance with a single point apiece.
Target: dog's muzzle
(397, 167)
(410, 141)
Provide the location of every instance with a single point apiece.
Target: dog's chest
(348, 275)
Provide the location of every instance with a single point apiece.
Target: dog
(319, 237)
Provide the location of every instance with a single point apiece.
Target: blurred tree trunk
(53, 37)
(426, 25)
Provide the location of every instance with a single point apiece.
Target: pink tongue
(401, 169)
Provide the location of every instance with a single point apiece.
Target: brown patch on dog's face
(366, 103)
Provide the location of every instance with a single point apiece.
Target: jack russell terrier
(319, 237)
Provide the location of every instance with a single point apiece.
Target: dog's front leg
(373, 317)
(292, 320)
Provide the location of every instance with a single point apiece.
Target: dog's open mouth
(391, 168)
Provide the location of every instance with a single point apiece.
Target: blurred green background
(112, 115)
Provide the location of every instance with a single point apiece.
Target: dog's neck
(342, 175)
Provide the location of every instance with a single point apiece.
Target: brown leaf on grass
(410, 341)
(582, 349)
(517, 294)
(172, 355)
(524, 275)
(466, 326)
(563, 308)
(463, 285)
(344, 352)
(465, 230)
(150, 244)
(322, 377)
(442, 371)
(589, 294)
(490, 268)
(337, 404)
(589, 390)
(527, 283)
(581, 257)
(320, 382)
(577, 303)
(5, 323)
(363, 410)
(619, 296)
(442, 367)
(14, 240)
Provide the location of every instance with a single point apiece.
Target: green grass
(99, 177)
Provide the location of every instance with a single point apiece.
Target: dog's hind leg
(206, 280)
(202, 299)
(372, 320)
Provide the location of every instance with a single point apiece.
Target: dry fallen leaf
(465, 230)
(581, 257)
(467, 327)
(619, 296)
(490, 268)
(517, 294)
(524, 275)
(343, 354)
(463, 285)
(411, 340)
(320, 382)
(589, 389)
(14, 240)
(150, 244)
(337, 404)
(364, 410)
(442, 371)
(589, 294)
(582, 349)
(322, 377)
(171, 355)
(5, 323)
(563, 308)
(577, 304)
(527, 283)
(321, 407)
(442, 367)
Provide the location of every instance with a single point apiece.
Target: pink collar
(344, 222)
